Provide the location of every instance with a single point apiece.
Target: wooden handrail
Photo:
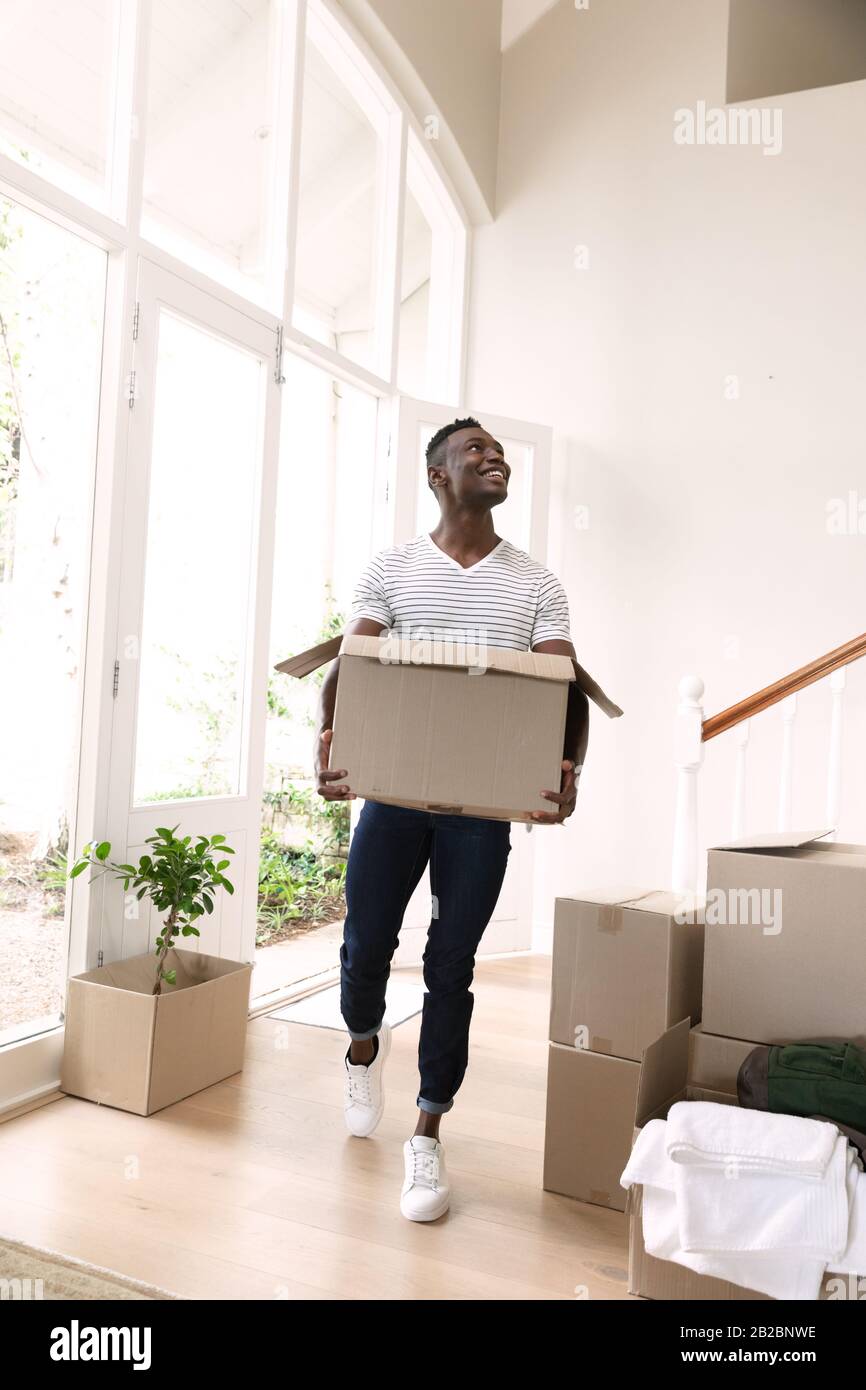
(781, 689)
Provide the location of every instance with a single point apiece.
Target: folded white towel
(753, 1180)
(779, 1276)
(726, 1209)
(759, 1141)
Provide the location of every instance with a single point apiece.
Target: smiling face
(471, 470)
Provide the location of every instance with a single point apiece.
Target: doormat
(322, 1010)
(31, 1273)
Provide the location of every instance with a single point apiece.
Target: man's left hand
(565, 798)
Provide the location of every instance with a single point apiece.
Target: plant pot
(129, 1048)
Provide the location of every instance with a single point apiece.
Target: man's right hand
(325, 777)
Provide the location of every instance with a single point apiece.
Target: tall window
(52, 288)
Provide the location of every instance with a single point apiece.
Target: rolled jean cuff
(362, 1037)
(434, 1107)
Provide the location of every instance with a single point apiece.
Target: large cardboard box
(447, 727)
(454, 727)
(591, 1106)
(665, 1069)
(785, 939)
(128, 1048)
(623, 971)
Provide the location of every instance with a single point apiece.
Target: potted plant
(141, 1033)
(177, 878)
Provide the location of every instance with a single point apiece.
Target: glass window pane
(327, 504)
(431, 299)
(57, 71)
(336, 243)
(52, 291)
(412, 375)
(204, 469)
(208, 186)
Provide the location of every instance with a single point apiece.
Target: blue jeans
(390, 849)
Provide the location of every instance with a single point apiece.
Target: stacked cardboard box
(623, 971)
(784, 960)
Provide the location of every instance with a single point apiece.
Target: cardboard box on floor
(623, 971)
(128, 1048)
(664, 1079)
(785, 939)
(590, 1119)
(593, 1105)
(449, 727)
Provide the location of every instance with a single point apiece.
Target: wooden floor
(253, 1189)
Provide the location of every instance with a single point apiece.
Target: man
(458, 582)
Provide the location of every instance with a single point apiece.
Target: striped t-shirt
(506, 599)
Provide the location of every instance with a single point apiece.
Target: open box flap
(776, 839)
(544, 664)
(664, 1070)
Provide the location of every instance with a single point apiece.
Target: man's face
(473, 470)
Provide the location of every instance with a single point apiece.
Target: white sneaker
(364, 1093)
(426, 1190)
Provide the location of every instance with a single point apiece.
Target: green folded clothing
(817, 1079)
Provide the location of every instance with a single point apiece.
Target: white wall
(707, 546)
(520, 15)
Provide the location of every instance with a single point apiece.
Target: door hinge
(278, 369)
(116, 681)
(135, 319)
(98, 959)
(387, 491)
(131, 393)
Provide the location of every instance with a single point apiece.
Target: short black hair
(432, 450)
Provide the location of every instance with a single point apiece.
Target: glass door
(522, 519)
(188, 736)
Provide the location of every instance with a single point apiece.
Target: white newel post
(786, 776)
(834, 761)
(688, 755)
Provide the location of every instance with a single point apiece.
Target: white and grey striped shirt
(505, 600)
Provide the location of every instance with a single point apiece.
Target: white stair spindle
(786, 779)
(738, 817)
(688, 755)
(834, 761)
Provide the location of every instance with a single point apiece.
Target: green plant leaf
(103, 850)
(79, 868)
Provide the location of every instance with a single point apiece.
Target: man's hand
(566, 797)
(325, 778)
